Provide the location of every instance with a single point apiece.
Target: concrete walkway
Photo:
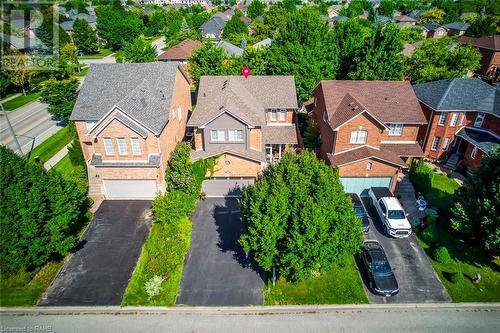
(406, 195)
(57, 157)
(10, 98)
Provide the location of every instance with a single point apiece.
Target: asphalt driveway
(216, 271)
(418, 283)
(99, 269)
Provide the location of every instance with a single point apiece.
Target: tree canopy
(207, 60)
(255, 9)
(60, 95)
(298, 219)
(477, 208)
(139, 51)
(234, 26)
(84, 37)
(117, 26)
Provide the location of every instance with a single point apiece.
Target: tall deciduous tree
(139, 51)
(117, 26)
(435, 60)
(84, 37)
(206, 60)
(477, 208)
(432, 16)
(298, 219)
(255, 9)
(386, 8)
(234, 26)
(60, 95)
(304, 48)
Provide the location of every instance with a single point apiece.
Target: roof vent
(225, 84)
(386, 98)
(356, 107)
(204, 94)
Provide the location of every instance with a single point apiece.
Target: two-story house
(489, 47)
(129, 118)
(463, 117)
(244, 123)
(368, 130)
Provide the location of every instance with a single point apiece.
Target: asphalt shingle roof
(213, 26)
(365, 152)
(231, 50)
(246, 99)
(279, 135)
(181, 51)
(484, 140)
(457, 26)
(458, 95)
(490, 43)
(141, 90)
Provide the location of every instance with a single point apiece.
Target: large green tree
(234, 26)
(297, 218)
(305, 48)
(255, 9)
(476, 213)
(60, 95)
(139, 51)
(85, 37)
(40, 214)
(207, 60)
(117, 26)
(436, 60)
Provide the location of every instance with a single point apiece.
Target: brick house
(463, 117)
(129, 118)
(489, 47)
(245, 123)
(434, 30)
(180, 52)
(368, 130)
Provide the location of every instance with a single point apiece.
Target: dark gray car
(360, 211)
(380, 275)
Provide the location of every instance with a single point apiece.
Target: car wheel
(386, 230)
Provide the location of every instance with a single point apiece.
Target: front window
(395, 129)
(235, 135)
(453, 120)
(122, 146)
(218, 135)
(479, 119)
(396, 215)
(282, 115)
(442, 118)
(108, 146)
(435, 143)
(136, 146)
(446, 144)
(358, 137)
(273, 114)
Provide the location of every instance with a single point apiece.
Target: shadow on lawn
(230, 228)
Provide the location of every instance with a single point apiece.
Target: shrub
(457, 277)
(430, 234)
(153, 286)
(180, 170)
(441, 255)
(430, 219)
(172, 206)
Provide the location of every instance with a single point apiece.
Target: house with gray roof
(231, 50)
(129, 118)
(212, 29)
(244, 123)
(463, 119)
(263, 43)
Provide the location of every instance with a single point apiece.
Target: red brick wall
(468, 160)
(362, 122)
(326, 132)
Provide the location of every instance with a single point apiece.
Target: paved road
(216, 271)
(428, 319)
(106, 60)
(418, 283)
(29, 121)
(218, 188)
(159, 45)
(99, 270)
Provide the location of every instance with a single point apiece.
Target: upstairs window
(218, 135)
(122, 146)
(273, 114)
(282, 115)
(136, 146)
(446, 144)
(369, 166)
(442, 118)
(454, 118)
(479, 119)
(395, 129)
(435, 142)
(235, 135)
(358, 137)
(108, 146)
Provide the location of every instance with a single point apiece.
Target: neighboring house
(456, 28)
(383, 19)
(490, 51)
(434, 30)
(416, 14)
(405, 21)
(335, 20)
(334, 10)
(212, 29)
(368, 130)
(180, 52)
(463, 117)
(409, 48)
(26, 45)
(67, 26)
(263, 43)
(231, 50)
(129, 117)
(246, 123)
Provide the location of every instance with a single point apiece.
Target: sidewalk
(57, 157)
(10, 97)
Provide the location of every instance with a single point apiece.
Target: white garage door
(361, 185)
(130, 189)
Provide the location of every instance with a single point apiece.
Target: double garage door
(361, 185)
(144, 189)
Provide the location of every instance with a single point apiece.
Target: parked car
(360, 210)
(381, 278)
(391, 213)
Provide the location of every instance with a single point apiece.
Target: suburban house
(405, 21)
(180, 52)
(463, 117)
(244, 123)
(230, 49)
(368, 130)
(212, 29)
(129, 117)
(489, 47)
(434, 30)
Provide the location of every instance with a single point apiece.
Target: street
(159, 45)
(363, 318)
(29, 121)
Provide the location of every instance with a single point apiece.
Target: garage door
(361, 185)
(130, 189)
(227, 187)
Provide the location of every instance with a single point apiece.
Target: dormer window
(282, 115)
(274, 114)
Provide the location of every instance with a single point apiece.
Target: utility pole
(12, 130)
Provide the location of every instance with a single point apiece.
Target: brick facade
(256, 138)
(234, 166)
(378, 169)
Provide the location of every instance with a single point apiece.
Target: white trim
(220, 114)
(358, 147)
(134, 153)
(356, 133)
(123, 113)
(230, 153)
(473, 153)
(373, 157)
(437, 144)
(118, 145)
(396, 124)
(381, 123)
(454, 119)
(280, 124)
(112, 148)
(398, 142)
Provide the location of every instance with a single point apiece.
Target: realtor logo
(29, 36)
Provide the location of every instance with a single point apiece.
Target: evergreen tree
(84, 37)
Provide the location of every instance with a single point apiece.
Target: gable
(363, 119)
(226, 120)
(118, 122)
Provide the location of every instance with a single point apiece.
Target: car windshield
(359, 211)
(396, 214)
(380, 267)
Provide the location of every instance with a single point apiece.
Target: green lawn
(441, 192)
(25, 288)
(470, 262)
(341, 285)
(101, 54)
(52, 145)
(20, 101)
(82, 72)
(64, 167)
